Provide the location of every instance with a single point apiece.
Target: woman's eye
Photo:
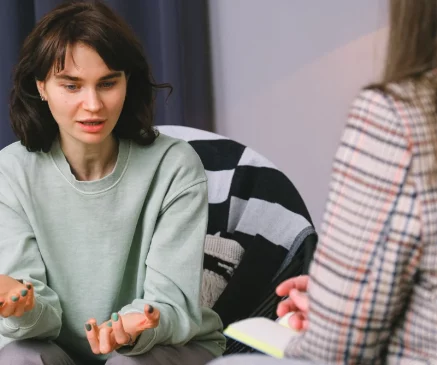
(71, 87)
(107, 85)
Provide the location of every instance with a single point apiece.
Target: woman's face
(85, 98)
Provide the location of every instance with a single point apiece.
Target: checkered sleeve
(364, 267)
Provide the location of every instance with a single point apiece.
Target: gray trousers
(259, 360)
(32, 352)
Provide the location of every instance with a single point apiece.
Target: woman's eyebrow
(112, 75)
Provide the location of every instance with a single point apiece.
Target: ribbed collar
(95, 186)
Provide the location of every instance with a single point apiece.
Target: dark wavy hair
(94, 24)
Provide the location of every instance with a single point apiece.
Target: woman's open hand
(120, 330)
(16, 297)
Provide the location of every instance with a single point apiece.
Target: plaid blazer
(373, 281)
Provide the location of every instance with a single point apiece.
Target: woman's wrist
(133, 339)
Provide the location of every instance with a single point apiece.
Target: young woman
(372, 289)
(102, 220)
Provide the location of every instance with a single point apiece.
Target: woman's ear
(41, 89)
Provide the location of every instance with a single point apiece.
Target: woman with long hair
(102, 220)
(371, 296)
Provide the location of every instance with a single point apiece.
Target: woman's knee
(20, 353)
(32, 352)
(190, 354)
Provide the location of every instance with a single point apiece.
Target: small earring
(43, 98)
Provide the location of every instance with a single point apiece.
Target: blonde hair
(411, 56)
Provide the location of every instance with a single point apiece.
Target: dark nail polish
(109, 324)
(114, 317)
(1, 303)
(24, 292)
(28, 286)
(21, 281)
(88, 327)
(151, 309)
(15, 298)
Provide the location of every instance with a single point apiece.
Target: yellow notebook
(262, 334)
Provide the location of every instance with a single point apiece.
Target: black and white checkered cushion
(252, 203)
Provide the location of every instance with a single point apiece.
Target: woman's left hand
(120, 330)
(297, 301)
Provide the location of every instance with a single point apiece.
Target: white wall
(284, 74)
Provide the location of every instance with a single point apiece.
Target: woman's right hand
(297, 301)
(16, 297)
(120, 330)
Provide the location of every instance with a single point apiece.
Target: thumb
(152, 315)
(148, 309)
(300, 300)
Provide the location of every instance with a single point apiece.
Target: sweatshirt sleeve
(20, 258)
(175, 265)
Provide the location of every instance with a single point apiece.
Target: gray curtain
(174, 34)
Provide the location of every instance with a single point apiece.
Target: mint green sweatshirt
(91, 248)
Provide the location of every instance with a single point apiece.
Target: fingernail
(114, 317)
(28, 286)
(20, 281)
(88, 327)
(24, 292)
(1, 303)
(15, 298)
(109, 324)
(151, 309)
